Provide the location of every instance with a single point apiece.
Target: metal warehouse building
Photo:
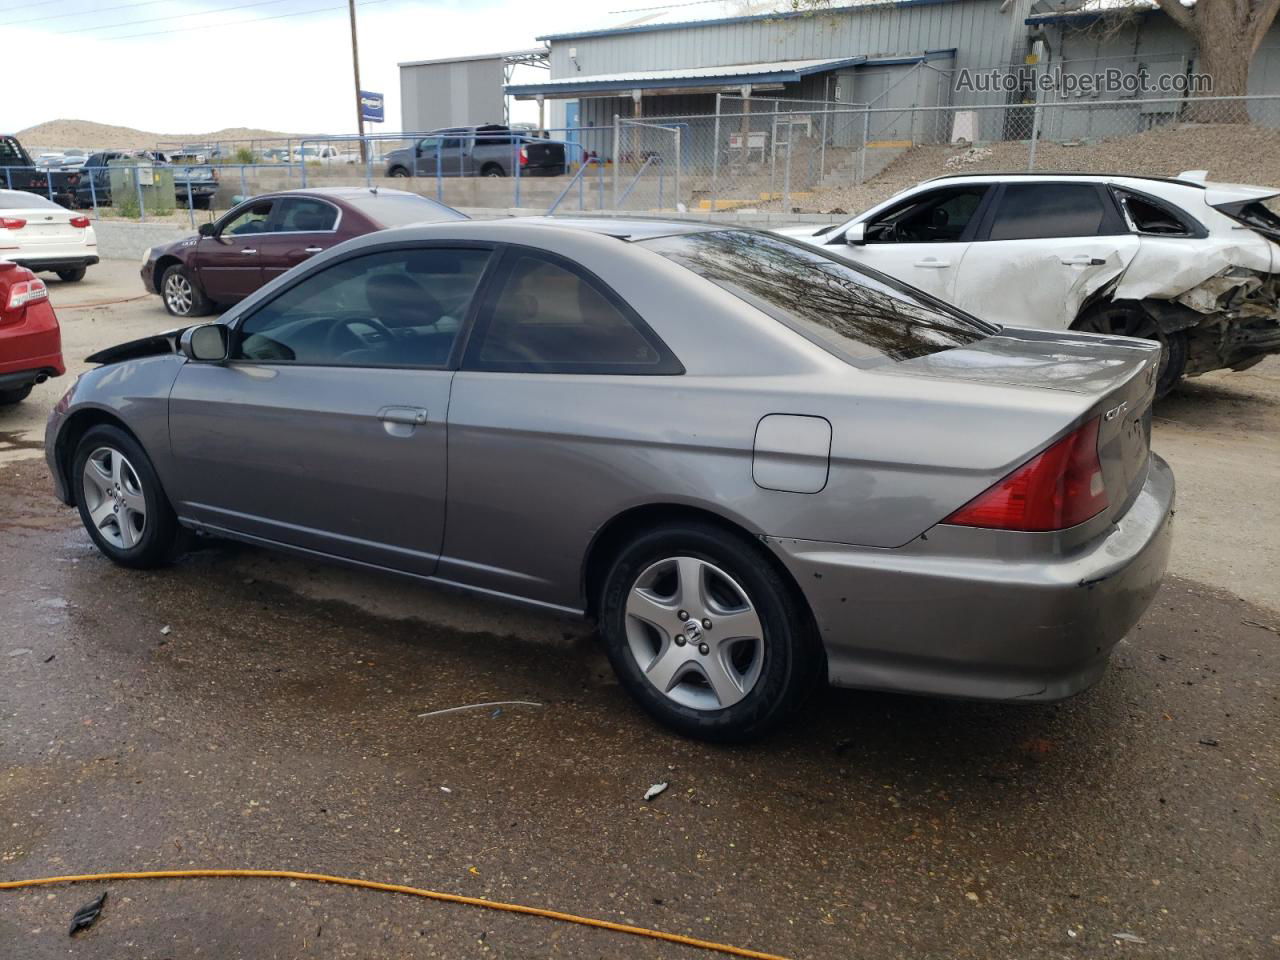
(885, 54)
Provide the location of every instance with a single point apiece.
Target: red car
(30, 341)
(261, 238)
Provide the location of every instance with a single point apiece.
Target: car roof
(623, 228)
(340, 193)
(1056, 175)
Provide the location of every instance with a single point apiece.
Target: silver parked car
(753, 464)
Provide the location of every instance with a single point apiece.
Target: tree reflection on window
(858, 314)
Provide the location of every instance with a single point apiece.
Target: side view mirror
(207, 229)
(856, 235)
(207, 343)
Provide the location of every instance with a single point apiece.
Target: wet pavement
(268, 728)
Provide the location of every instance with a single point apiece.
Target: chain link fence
(768, 154)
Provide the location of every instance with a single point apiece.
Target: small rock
(654, 790)
(165, 630)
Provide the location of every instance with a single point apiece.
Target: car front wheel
(181, 293)
(120, 499)
(707, 634)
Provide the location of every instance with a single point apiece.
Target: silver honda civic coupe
(751, 464)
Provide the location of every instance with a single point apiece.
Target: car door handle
(411, 416)
(933, 263)
(250, 250)
(1082, 261)
(312, 249)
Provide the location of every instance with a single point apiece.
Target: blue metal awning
(785, 71)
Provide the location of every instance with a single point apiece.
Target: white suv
(1190, 263)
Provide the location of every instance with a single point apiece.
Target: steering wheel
(344, 328)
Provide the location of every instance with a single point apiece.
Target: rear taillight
(1055, 489)
(80, 222)
(12, 223)
(524, 156)
(25, 292)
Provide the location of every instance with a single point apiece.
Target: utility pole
(355, 66)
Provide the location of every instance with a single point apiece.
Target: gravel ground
(1230, 152)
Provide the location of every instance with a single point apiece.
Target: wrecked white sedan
(1184, 261)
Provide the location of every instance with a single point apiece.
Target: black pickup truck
(489, 150)
(18, 172)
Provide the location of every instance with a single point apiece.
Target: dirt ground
(245, 709)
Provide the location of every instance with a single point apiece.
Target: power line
(176, 16)
(236, 23)
(74, 13)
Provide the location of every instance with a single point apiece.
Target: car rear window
(398, 210)
(860, 315)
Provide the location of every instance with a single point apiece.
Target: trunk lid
(1114, 377)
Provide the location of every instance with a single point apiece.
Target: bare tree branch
(1185, 17)
(1264, 14)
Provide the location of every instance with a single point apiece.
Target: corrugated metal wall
(980, 32)
(454, 94)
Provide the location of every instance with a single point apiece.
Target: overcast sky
(258, 65)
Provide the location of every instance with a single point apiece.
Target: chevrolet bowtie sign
(371, 107)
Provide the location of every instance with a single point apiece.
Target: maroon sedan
(254, 243)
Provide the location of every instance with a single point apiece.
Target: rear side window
(857, 314)
(399, 209)
(306, 215)
(547, 317)
(1033, 211)
(1151, 216)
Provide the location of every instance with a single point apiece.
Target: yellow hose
(399, 888)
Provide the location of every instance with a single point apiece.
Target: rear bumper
(16, 380)
(985, 627)
(57, 262)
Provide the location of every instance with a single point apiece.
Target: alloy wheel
(177, 293)
(694, 633)
(113, 496)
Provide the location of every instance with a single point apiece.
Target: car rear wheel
(1124, 320)
(492, 170)
(10, 397)
(706, 634)
(71, 276)
(120, 499)
(182, 295)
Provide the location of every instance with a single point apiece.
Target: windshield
(860, 315)
(400, 209)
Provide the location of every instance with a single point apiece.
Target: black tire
(71, 276)
(16, 395)
(156, 541)
(1130, 320)
(492, 170)
(791, 656)
(192, 303)
(399, 172)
